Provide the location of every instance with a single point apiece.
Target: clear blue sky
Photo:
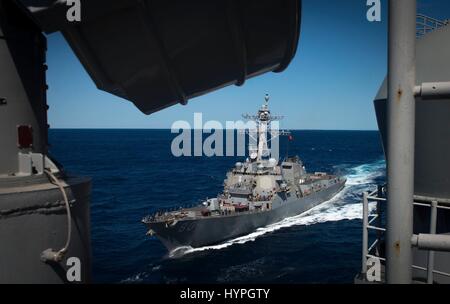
(340, 63)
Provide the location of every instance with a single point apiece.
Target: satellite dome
(272, 162)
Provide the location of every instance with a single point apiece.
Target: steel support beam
(433, 224)
(401, 135)
(365, 237)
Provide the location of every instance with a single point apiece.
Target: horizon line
(161, 129)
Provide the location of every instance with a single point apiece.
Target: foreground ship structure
(258, 192)
(152, 53)
(409, 234)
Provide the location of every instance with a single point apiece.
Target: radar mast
(263, 121)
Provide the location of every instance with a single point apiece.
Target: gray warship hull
(206, 231)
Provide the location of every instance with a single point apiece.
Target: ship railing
(181, 207)
(425, 25)
(372, 221)
(161, 213)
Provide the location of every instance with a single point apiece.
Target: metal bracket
(439, 90)
(436, 242)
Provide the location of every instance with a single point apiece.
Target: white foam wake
(344, 206)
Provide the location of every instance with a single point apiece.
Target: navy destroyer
(258, 192)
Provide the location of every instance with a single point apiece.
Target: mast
(263, 120)
(263, 127)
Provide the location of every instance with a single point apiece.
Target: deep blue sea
(134, 173)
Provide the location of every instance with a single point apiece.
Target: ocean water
(134, 174)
